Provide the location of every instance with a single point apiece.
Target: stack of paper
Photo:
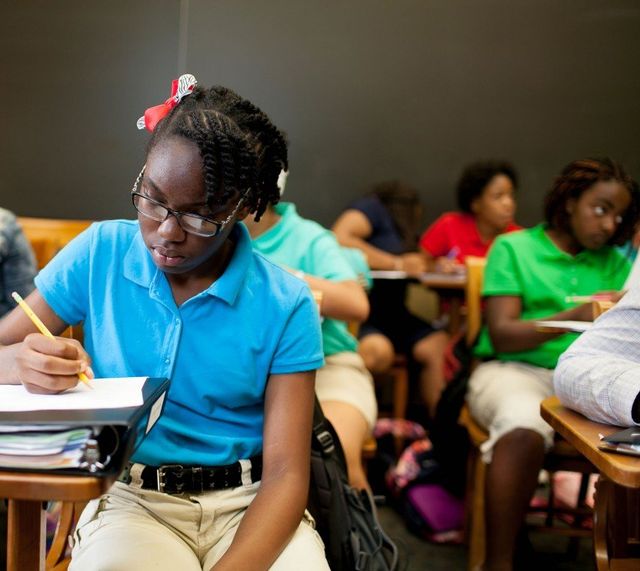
(38, 449)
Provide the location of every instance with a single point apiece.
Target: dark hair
(475, 178)
(578, 177)
(241, 149)
(403, 204)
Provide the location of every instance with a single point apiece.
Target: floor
(549, 552)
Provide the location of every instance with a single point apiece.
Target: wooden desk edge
(45, 487)
(621, 469)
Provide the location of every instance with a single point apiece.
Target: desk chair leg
(616, 532)
(25, 552)
(475, 522)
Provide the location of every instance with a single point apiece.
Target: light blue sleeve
(599, 374)
(300, 345)
(64, 281)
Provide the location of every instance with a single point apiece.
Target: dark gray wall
(366, 90)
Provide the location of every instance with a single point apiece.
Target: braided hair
(242, 151)
(578, 177)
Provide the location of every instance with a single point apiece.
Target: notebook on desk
(114, 432)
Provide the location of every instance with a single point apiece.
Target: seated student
(179, 293)
(486, 199)
(17, 270)
(344, 386)
(384, 225)
(592, 206)
(599, 374)
(17, 262)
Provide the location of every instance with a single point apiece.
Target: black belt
(178, 479)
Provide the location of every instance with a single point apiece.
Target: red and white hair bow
(180, 88)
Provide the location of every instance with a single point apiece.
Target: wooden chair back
(48, 236)
(473, 295)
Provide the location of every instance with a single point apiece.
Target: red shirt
(457, 231)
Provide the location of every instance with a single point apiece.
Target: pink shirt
(457, 231)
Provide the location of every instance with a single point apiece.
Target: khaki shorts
(130, 528)
(344, 378)
(505, 395)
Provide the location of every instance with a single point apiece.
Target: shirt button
(167, 361)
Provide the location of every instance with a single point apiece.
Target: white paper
(106, 393)
(574, 326)
(456, 278)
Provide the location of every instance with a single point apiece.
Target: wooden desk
(26, 493)
(616, 531)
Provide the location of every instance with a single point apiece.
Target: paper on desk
(106, 393)
(574, 326)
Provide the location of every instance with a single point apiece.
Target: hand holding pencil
(61, 365)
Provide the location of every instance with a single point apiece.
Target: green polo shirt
(300, 244)
(529, 265)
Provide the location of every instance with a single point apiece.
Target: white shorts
(505, 395)
(344, 378)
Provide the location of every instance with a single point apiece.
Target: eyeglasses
(188, 221)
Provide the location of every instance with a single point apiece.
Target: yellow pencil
(41, 327)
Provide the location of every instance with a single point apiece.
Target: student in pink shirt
(486, 199)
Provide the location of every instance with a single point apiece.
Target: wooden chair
(562, 456)
(48, 235)
(57, 559)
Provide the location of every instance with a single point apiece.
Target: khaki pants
(131, 528)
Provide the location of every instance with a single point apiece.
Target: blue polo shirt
(218, 348)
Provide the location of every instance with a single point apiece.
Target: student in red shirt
(486, 202)
(486, 199)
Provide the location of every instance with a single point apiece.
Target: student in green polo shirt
(344, 386)
(592, 206)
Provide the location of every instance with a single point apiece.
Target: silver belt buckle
(160, 473)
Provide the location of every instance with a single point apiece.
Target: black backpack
(346, 518)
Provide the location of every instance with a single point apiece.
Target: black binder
(122, 429)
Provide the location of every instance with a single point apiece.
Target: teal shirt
(301, 244)
(529, 265)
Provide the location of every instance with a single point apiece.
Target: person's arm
(353, 228)
(510, 333)
(345, 300)
(438, 250)
(276, 512)
(599, 374)
(18, 261)
(43, 365)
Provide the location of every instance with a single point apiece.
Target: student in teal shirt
(592, 206)
(222, 479)
(344, 385)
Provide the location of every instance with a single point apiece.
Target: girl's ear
(475, 205)
(570, 206)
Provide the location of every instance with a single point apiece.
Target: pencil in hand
(42, 327)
